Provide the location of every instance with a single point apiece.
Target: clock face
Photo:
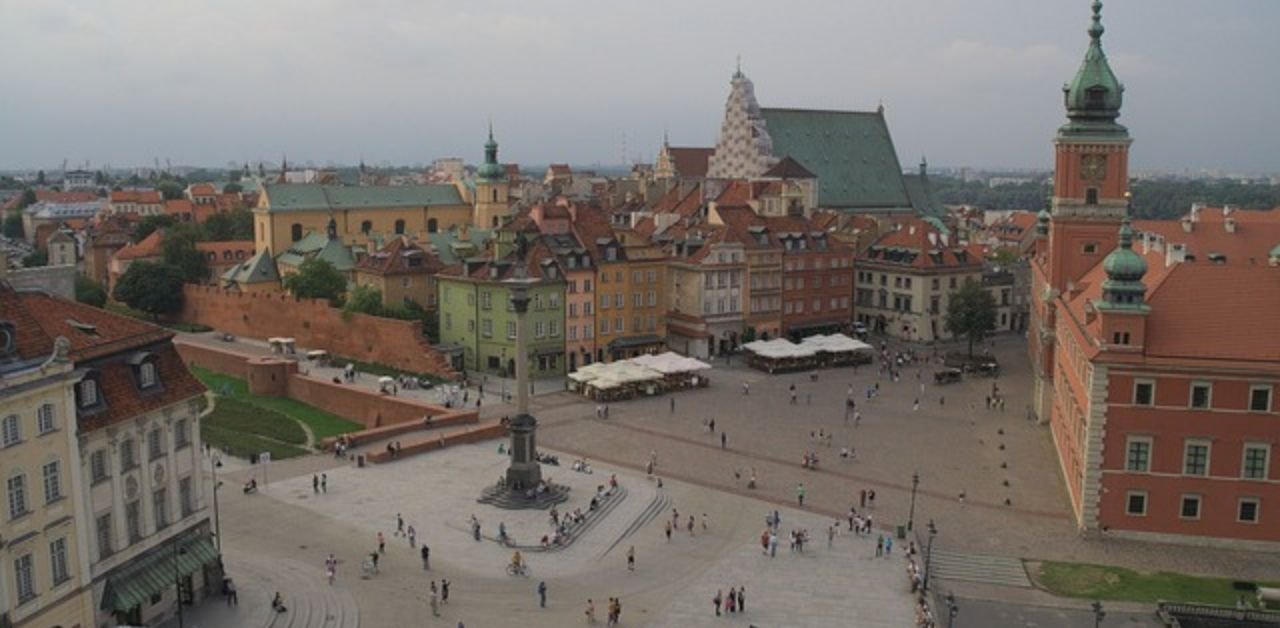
(1093, 167)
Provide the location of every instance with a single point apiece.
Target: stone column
(524, 471)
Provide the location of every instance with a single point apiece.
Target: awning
(155, 571)
(634, 341)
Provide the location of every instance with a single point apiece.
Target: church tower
(744, 148)
(1091, 173)
(492, 189)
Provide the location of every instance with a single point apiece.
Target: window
(653, 298)
(366, 226)
(98, 465)
(181, 434)
(12, 430)
(52, 482)
(572, 332)
(184, 496)
(1136, 504)
(1195, 460)
(586, 285)
(24, 578)
(617, 276)
(58, 561)
(619, 301)
(604, 301)
(17, 496)
(1138, 455)
(553, 300)
(400, 227)
(1089, 248)
(44, 419)
(448, 320)
(539, 329)
(133, 521)
(128, 457)
(104, 535)
(1260, 398)
(1248, 511)
(618, 325)
(295, 232)
(554, 329)
(1091, 198)
(1190, 507)
(147, 374)
(160, 507)
(1256, 457)
(1144, 392)
(155, 444)
(511, 330)
(637, 299)
(88, 389)
(432, 225)
(953, 283)
(486, 328)
(587, 330)
(1200, 394)
(1120, 338)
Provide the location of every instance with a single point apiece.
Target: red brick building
(1152, 360)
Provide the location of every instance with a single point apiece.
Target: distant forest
(1151, 199)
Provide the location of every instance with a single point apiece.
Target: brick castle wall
(395, 343)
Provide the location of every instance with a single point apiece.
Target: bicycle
(368, 567)
(519, 570)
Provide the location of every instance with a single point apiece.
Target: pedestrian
(399, 525)
(800, 494)
(729, 601)
(382, 544)
(746, 389)
(315, 484)
(542, 594)
(413, 536)
(724, 438)
(831, 535)
(435, 600)
(915, 405)
(880, 546)
(591, 612)
(712, 426)
(888, 546)
(373, 556)
(716, 601)
(961, 497)
(871, 498)
(324, 482)
(331, 568)
(852, 513)
(668, 530)
(426, 557)
(673, 404)
(690, 525)
(631, 558)
(857, 418)
(704, 522)
(444, 591)
(773, 544)
(862, 498)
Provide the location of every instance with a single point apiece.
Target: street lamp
(214, 463)
(177, 578)
(928, 557)
(1098, 613)
(952, 610)
(911, 517)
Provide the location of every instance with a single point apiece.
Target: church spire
(491, 170)
(1094, 96)
(1123, 287)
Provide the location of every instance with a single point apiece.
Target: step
(984, 568)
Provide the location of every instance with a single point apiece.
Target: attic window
(1217, 258)
(87, 328)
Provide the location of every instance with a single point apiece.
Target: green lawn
(244, 445)
(233, 414)
(322, 424)
(1116, 583)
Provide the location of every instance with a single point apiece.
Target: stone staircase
(1001, 570)
(312, 603)
(656, 507)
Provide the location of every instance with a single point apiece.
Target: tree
(179, 250)
(40, 177)
(152, 288)
(971, 312)
(28, 198)
(170, 190)
(36, 258)
(316, 279)
(149, 224)
(99, 178)
(364, 299)
(13, 225)
(90, 292)
(233, 188)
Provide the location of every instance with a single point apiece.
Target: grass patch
(233, 414)
(245, 445)
(322, 424)
(1117, 583)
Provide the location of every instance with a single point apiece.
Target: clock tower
(1091, 169)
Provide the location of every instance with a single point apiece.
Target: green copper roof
(313, 196)
(1123, 287)
(491, 170)
(451, 249)
(256, 269)
(850, 151)
(920, 193)
(1093, 98)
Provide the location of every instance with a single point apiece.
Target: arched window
(495, 195)
(295, 232)
(399, 226)
(366, 227)
(1091, 196)
(495, 222)
(432, 225)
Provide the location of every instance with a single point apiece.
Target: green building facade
(476, 314)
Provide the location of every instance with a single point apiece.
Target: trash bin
(360, 461)
(902, 532)
(253, 458)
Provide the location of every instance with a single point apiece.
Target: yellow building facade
(44, 565)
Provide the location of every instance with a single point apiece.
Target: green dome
(1094, 95)
(491, 170)
(1123, 264)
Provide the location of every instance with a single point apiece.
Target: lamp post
(177, 579)
(1098, 613)
(928, 557)
(504, 374)
(952, 610)
(915, 482)
(214, 463)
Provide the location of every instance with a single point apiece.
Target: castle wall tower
(744, 148)
(492, 200)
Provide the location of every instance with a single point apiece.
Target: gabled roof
(851, 152)
(396, 258)
(257, 269)
(918, 243)
(592, 228)
(145, 197)
(1256, 233)
(202, 189)
(920, 195)
(227, 248)
(313, 196)
(691, 162)
(788, 168)
(93, 332)
(146, 248)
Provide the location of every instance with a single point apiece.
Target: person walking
(800, 494)
(880, 546)
(591, 612)
(542, 594)
(426, 557)
(382, 543)
(742, 599)
(724, 439)
(690, 525)
(871, 498)
(631, 558)
(746, 389)
(773, 544)
(315, 484)
(729, 602)
(862, 498)
(717, 600)
(435, 600)
(711, 425)
(413, 536)
(704, 522)
(324, 482)
(668, 531)
(399, 525)
(831, 535)
(673, 404)
(888, 546)
(444, 591)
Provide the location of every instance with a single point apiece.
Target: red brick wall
(471, 435)
(315, 325)
(226, 362)
(364, 406)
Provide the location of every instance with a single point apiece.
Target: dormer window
(87, 394)
(8, 339)
(147, 375)
(145, 369)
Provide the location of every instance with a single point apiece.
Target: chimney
(1195, 211)
(1187, 222)
(1227, 209)
(464, 231)
(1176, 254)
(933, 239)
(1229, 224)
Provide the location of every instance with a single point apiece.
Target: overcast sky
(965, 82)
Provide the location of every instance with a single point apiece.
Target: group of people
(614, 611)
(735, 602)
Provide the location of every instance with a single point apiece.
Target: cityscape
(300, 392)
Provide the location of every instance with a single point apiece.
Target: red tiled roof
(78, 196)
(178, 206)
(915, 242)
(203, 189)
(93, 332)
(1256, 232)
(735, 194)
(560, 169)
(143, 197)
(691, 162)
(393, 259)
(145, 248)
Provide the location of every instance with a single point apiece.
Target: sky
(964, 82)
